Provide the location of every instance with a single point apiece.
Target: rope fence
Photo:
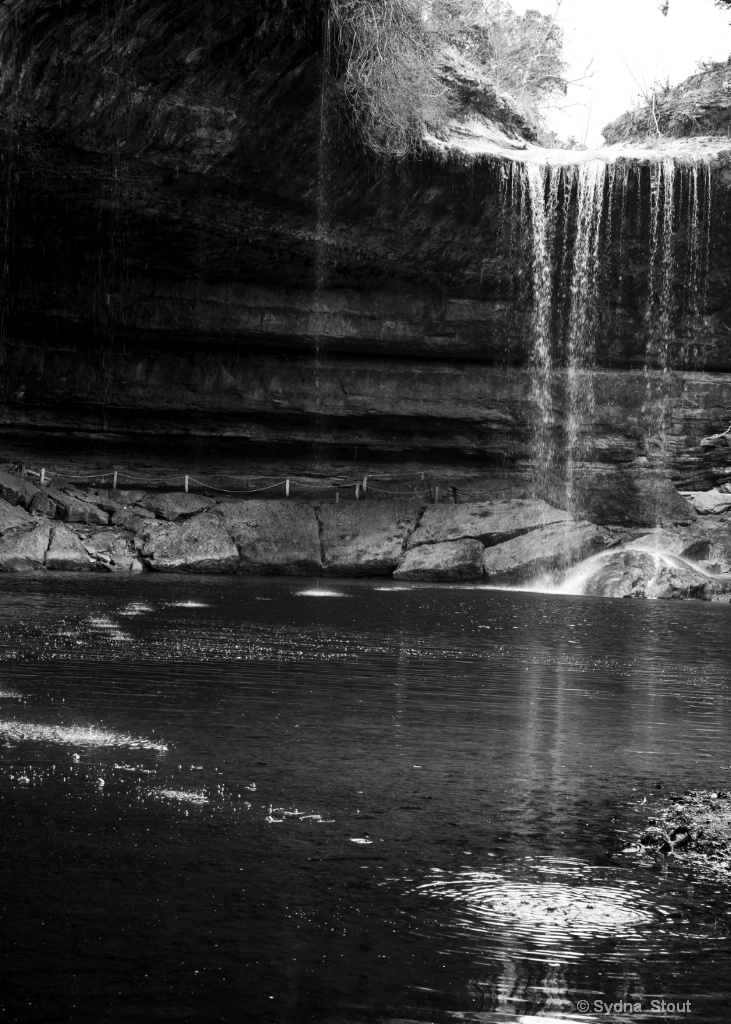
(361, 487)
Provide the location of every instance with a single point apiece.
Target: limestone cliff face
(188, 254)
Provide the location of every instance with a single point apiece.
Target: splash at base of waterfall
(638, 572)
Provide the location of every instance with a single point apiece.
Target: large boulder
(12, 517)
(490, 522)
(66, 552)
(455, 560)
(644, 574)
(365, 538)
(175, 505)
(16, 490)
(200, 545)
(709, 502)
(72, 509)
(550, 549)
(280, 537)
(25, 550)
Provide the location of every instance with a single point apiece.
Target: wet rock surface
(623, 499)
(646, 574)
(454, 560)
(277, 537)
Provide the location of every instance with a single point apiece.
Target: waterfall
(540, 184)
(589, 179)
(564, 215)
(575, 221)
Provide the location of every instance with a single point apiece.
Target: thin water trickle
(589, 180)
(540, 190)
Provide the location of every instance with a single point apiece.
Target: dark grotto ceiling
(170, 200)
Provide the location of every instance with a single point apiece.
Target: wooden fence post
(436, 495)
(114, 482)
(186, 484)
(286, 488)
(43, 476)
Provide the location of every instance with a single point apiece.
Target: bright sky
(635, 33)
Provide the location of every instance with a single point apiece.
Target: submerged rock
(454, 560)
(490, 522)
(66, 552)
(551, 548)
(196, 545)
(365, 538)
(280, 537)
(25, 550)
(174, 505)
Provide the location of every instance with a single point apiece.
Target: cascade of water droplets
(590, 179)
(660, 308)
(540, 185)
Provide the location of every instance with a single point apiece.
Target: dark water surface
(230, 800)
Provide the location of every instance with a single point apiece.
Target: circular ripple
(556, 910)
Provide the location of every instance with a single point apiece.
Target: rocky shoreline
(502, 542)
(693, 827)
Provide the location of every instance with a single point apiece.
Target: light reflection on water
(408, 806)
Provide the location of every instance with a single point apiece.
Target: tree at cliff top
(396, 57)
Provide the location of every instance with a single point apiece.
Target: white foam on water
(10, 695)
(186, 796)
(188, 604)
(102, 622)
(74, 736)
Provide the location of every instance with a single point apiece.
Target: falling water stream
(578, 223)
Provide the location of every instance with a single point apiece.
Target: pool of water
(271, 801)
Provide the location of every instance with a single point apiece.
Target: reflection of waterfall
(575, 217)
